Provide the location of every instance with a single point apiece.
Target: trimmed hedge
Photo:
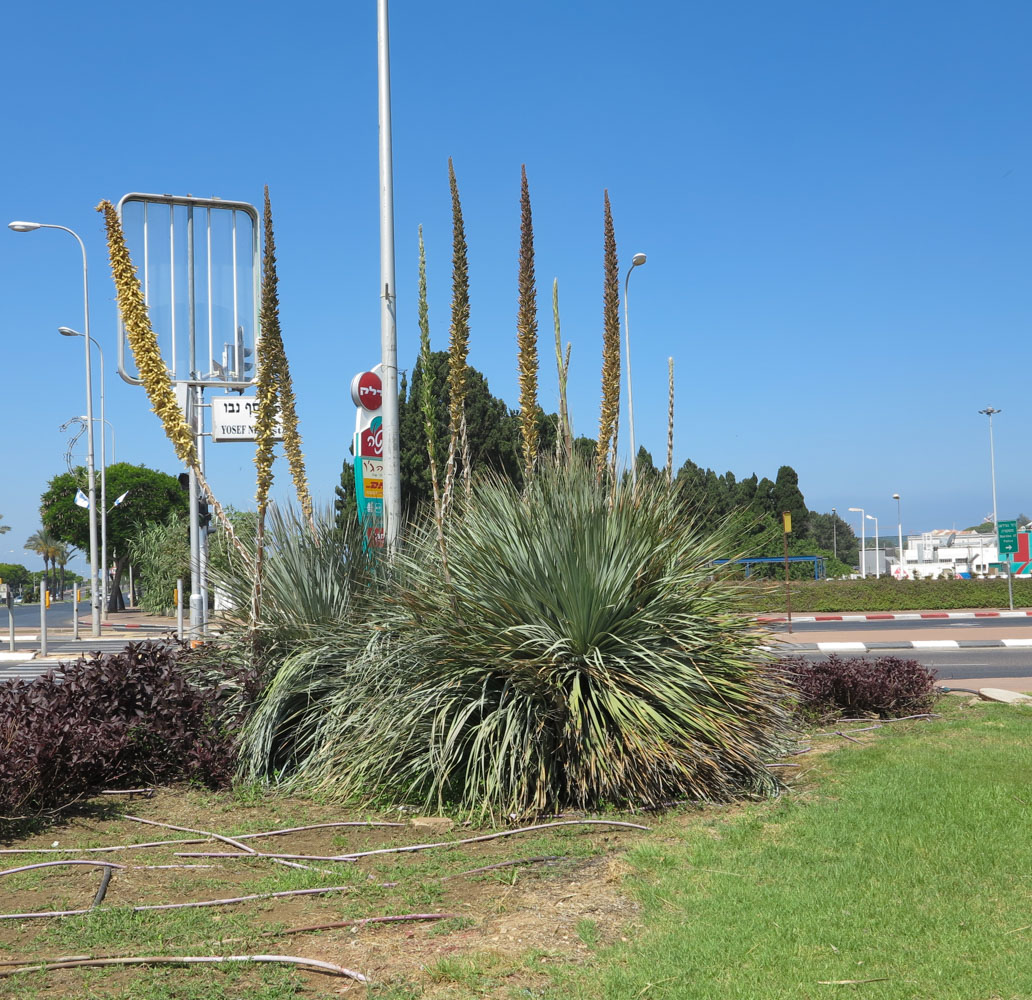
(888, 686)
(887, 594)
(111, 720)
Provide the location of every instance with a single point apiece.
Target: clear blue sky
(834, 198)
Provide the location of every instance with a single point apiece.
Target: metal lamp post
(28, 227)
(863, 542)
(871, 517)
(899, 525)
(67, 331)
(989, 411)
(636, 261)
(834, 532)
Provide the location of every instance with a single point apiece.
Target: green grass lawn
(908, 864)
(899, 868)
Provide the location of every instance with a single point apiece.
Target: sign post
(1007, 542)
(786, 523)
(367, 395)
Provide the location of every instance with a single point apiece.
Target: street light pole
(871, 517)
(636, 261)
(899, 525)
(388, 294)
(863, 542)
(69, 332)
(834, 533)
(989, 411)
(28, 227)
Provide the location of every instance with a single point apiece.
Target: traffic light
(203, 515)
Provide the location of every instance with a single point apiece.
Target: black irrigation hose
(102, 890)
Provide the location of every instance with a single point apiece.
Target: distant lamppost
(91, 472)
(67, 331)
(899, 525)
(871, 517)
(636, 261)
(834, 532)
(863, 542)
(989, 411)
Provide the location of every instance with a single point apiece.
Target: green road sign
(1007, 536)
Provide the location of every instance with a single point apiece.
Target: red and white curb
(907, 616)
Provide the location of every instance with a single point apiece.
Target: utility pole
(388, 295)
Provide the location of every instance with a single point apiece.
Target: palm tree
(47, 547)
(4, 528)
(60, 556)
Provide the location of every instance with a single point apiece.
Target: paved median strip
(788, 648)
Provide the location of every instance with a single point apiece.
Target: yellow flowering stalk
(564, 438)
(458, 347)
(526, 335)
(670, 428)
(275, 389)
(610, 415)
(149, 363)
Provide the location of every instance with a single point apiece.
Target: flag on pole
(81, 499)
(121, 498)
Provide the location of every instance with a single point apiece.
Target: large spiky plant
(458, 346)
(147, 355)
(597, 659)
(610, 413)
(526, 333)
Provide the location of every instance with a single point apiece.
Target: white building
(944, 553)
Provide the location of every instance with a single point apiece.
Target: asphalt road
(950, 664)
(59, 615)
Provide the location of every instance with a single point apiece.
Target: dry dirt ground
(506, 926)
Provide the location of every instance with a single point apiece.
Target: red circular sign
(367, 390)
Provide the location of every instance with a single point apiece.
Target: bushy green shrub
(887, 594)
(583, 653)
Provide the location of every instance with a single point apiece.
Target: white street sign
(235, 418)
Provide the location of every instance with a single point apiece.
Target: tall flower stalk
(526, 333)
(609, 417)
(278, 370)
(670, 428)
(458, 347)
(147, 355)
(426, 406)
(564, 439)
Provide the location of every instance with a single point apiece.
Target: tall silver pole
(28, 227)
(863, 540)
(639, 258)
(103, 496)
(91, 470)
(196, 620)
(899, 526)
(388, 297)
